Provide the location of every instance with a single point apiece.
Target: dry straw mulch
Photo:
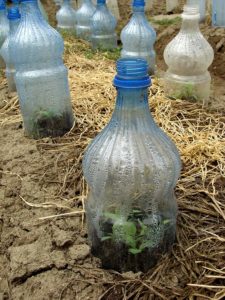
(196, 267)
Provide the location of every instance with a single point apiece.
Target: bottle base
(135, 244)
(104, 42)
(83, 33)
(197, 91)
(47, 124)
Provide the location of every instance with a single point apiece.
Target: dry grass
(196, 267)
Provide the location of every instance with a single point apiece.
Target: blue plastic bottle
(41, 77)
(83, 19)
(131, 168)
(66, 17)
(218, 13)
(4, 29)
(14, 20)
(138, 36)
(103, 28)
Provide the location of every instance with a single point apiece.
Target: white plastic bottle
(14, 20)
(188, 57)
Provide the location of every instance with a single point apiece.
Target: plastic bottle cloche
(188, 57)
(41, 77)
(131, 168)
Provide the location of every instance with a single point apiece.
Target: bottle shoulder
(139, 27)
(119, 150)
(65, 11)
(35, 40)
(189, 51)
(103, 17)
(85, 11)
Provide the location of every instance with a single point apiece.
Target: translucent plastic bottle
(103, 28)
(66, 17)
(41, 77)
(14, 20)
(218, 13)
(188, 57)
(83, 17)
(131, 168)
(138, 36)
(4, 29)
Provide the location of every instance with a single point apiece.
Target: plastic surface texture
(188, 57)
(131, 168)
(138, 37)
(4, 29)
(41, 77)
(103, 28)
(66, 17)
(218, 13)
(14, 16)
(83, 16)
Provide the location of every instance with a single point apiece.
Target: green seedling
(133, 232)
(187, 92)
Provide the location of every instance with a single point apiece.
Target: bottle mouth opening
(191, 10)
(132, 73)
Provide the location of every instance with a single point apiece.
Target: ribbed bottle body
(218, 13)
(66, 17)
(41, 77)
(131, 168)
(103, 25)
(138, 38)
(188, 57)
(83, 19)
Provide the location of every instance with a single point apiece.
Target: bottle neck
(190, 24)
(66, 2)
(13, 24)
(131, 104)
(101, 5)
(31, 8)
(138, 10)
